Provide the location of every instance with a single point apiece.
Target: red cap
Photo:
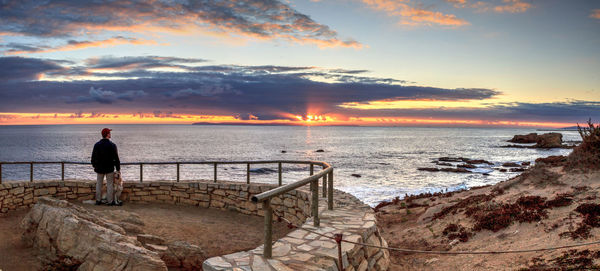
(105, 132)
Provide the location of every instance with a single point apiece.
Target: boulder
(549, 140)
(71, 237)
(182, 255)
(528, 138)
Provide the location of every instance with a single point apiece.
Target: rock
(549, 140)
(156, 248)
(130, 228)
(455, 170)
(552, 160)
(262, 170)
(431, 211)
(517, 169)
(183, 255)
(443, 164)
(528, 138)
(355, 175)
(478, 161)
(69, 236)
(450, 159)
(283, 151)
(510, 164)
(525, 163)
(466, 166)
(430, 169)
(150, 239)
(320, 150)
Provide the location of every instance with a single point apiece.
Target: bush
(586, 156)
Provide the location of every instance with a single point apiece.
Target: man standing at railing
(105, 158)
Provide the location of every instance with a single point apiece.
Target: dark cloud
(108, 97)
(266, 92)
(261, 19)
(139, 62)
(19, 68)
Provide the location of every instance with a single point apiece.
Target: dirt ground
(216, 232)
(416, 229)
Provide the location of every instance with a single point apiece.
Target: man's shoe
(98, 202)
(116, 204)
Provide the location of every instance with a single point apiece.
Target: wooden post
(330, 191)
(215, 173)
(248, 173)
(324, 185)
(0, 173)
(177, 172)
(314, 185)
(141, 172)
(62, 171)
(280, 181)
(31, 172)
(268, 249)
(312, 169)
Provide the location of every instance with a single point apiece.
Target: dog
(117, 186)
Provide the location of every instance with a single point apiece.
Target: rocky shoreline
(552, 203)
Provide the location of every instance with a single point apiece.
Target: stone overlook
(299, 250)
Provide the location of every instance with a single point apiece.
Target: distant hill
(570, 128)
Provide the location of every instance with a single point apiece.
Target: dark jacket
(105, 157)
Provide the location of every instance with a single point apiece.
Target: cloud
(414, 14)
(512, 6)
(595, 14)
(19, 68)
(506, 6)
(17, 48)
(268, 19)
(139, 62)
(245, 92)
(108, 97)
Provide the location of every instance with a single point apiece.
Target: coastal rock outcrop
(549, 140)
(528, 138)
(69, 237)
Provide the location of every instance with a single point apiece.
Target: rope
(445, 252)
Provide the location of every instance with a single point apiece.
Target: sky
(329, 62)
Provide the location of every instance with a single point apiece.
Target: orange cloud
(78, 45)
(287, 119)
(595, 14)
(414, 16)
(512, 6)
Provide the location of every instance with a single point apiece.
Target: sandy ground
(13, 253)
(416, 229)
(216, 232)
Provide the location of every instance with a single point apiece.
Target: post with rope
(268, 249)
(338, 239)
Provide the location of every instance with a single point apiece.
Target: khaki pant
(109, 186)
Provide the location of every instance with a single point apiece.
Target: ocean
(386, 158)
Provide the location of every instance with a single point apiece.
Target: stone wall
(294, 205)
(299, 250)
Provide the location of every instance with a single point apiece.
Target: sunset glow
(300, 62)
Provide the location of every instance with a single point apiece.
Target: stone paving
(302, 250)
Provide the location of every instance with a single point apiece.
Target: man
(105, 159)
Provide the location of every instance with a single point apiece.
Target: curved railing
(265, 198)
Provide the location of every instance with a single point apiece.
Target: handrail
(265, 198)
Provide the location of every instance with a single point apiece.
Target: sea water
(385, 158)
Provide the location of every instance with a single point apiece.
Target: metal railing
(265, 198)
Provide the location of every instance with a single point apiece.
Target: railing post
(177, 172)
(324, 185)
(215, 172)
(141, 172)
(314, 185)
(0, 173)
(267, 251)
(330, 191)
(280, 181)
(312, 169)
(62, 171)
(248, 173)
(31, 172)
